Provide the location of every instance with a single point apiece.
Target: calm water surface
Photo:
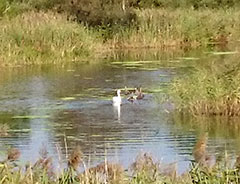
(63, 106)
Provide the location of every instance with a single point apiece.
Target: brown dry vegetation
(144, 170)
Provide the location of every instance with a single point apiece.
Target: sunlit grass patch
(225, 53)
(174, 28)
(31, 117)
(68, 98)
(40, 38)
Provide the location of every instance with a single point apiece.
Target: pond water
(60, 107)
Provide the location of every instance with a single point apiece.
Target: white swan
(117, 100)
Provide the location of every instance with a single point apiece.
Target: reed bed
(36, 38)
(204, 169)
(209, 90)
(158, 28)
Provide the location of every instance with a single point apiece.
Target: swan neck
(118, 94)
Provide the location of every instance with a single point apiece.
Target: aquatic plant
(144, 170)
(210, 90)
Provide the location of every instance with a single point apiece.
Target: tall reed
(35, 38)
(209, 90)
(179, 27)
(144, 170)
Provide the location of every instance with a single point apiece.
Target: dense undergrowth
(38, 32)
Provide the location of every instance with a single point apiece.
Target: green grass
(210, 89)
(33, 33)
(36, 38)
(159, 28)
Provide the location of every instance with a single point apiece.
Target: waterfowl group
(139, 94)
(132, 95)
(129, 91)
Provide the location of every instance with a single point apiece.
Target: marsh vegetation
(38, 32)
(145, 169)
(64, 32)
(210, 89)
(73, 111)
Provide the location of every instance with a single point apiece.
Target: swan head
(118, 92)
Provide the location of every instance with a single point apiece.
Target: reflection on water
(64, 106)
(117, 112)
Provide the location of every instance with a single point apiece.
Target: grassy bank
(42, 38)
(35, 37)
(159, 28)
(145, 169)
(210, 89)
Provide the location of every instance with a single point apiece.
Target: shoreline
(48, 37)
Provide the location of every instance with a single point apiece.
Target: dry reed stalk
(105, 172)
(13, 154)
(44, 162)
(145, 163)
(4, 128)
(169, 170)
(237, 162)
(199, 150)
(200, 153)
(75, 158)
